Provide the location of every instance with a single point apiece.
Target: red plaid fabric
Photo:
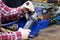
(10, 36)
(9, 13)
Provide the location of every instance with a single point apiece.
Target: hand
(25, 10)
(25, 33)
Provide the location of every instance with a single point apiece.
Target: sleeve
(10, 13)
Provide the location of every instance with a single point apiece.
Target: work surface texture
(50, 33)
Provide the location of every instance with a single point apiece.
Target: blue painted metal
(36, 27)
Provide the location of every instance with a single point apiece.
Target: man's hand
(25, 33)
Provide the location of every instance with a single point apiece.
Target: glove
(25, 33)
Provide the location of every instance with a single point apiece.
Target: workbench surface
(50, 33)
